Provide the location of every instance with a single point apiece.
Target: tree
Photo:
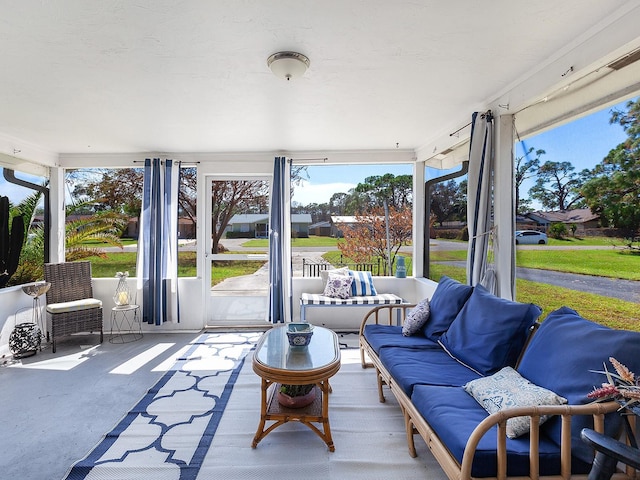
(558, 186)
(118, 190)
(525, 168)
(614, 190)
(448, 201)
(229, 198)
(367, 239)
(397, 191)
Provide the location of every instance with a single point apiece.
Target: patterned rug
(168, 433)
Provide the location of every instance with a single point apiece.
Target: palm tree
(103, 228)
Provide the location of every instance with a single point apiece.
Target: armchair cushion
(74, 306)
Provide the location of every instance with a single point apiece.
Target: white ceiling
(108, 76)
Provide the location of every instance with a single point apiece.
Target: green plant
(296, 390)
(558, 230)
(11, 241)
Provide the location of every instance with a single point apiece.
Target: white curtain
(157, 263)
(480, 203)
(280, 299)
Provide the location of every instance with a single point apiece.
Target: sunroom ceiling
(115, 76)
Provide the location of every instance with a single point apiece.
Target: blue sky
(583, 142)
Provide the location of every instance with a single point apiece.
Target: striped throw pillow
(362, 284)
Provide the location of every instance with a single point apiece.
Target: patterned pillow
(416, 318)
(324, 274)
(506, 389)
(362, 284)
(338, 286)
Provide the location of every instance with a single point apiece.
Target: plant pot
(296, 402)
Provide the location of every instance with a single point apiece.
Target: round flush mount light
(288, 65)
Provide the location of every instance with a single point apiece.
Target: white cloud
(320, 193)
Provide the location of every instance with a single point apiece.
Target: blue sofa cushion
(562, 356)
(380, 336)
(447, 300)
(489, 332)
(410, 367)
(453, 414)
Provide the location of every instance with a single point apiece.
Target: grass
(607, 311)
(312, 241)
(603, 263)
(126, 261)
(586, 241)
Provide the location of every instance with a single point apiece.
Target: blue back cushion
(447, 300)
(562, 356)
(489, 332)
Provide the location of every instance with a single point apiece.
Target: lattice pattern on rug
(168, 433)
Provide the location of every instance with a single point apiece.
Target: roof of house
(578, 215)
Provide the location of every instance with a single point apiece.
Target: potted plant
(296, 396)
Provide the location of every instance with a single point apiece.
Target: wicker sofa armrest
(381, 315)
(597, 410)
(386, 315)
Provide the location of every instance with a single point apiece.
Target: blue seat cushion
(447, 300)
(380, 336)
(411, 366)
(563, 355)
(489, 332)
(453, 414)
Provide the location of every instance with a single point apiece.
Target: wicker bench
(317, 300)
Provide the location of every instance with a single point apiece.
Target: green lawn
(604, 263)
(126, 261)
(312, 241)
(607, 311)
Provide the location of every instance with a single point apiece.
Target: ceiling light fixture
(288, 65)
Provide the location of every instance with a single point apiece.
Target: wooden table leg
(263, 413)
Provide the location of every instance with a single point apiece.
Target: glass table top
(274, 350)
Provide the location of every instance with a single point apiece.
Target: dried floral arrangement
(622, 386)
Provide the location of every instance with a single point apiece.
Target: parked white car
(530, 237)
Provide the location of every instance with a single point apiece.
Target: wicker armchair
(71, 307)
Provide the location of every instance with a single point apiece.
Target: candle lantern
(122, 295)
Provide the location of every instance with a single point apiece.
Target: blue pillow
(564, 355)
(490, 332)
(362, 284)
(446, 302)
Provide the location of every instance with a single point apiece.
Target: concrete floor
(54, 408)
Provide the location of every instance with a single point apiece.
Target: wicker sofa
(470, 335)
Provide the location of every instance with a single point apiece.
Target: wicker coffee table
(277, 363)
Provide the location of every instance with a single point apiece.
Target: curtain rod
(181, 163)
(322, 159)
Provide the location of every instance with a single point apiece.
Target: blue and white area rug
(168, 433)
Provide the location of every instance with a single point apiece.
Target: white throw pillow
(338, 286)
(507, 389)
(324, 274)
